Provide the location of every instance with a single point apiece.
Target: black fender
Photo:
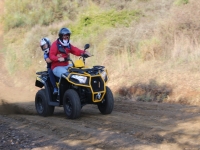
(40, 82)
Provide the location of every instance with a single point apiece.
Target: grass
(38, 12)
(181, 2)
(99, 21)
(149, 49)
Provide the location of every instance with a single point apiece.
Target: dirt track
(132, 125)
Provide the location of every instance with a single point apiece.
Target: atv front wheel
(107, 104)
(41, 104)
(71, 104)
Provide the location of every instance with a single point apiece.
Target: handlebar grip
(85, 55)
(67, 59)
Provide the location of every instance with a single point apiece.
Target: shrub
(181, 2)
(97, 22)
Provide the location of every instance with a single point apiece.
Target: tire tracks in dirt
(139, 126)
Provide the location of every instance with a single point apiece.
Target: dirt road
(132, 125)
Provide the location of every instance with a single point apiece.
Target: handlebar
(85, 55)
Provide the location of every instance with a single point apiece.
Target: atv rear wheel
(71, 104)
(41, 104)
(106, 106)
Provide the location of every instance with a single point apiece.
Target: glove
(86, 54)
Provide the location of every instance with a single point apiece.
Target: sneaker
(55, 91)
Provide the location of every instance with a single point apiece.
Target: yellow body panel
(89, 86)
(79, 63)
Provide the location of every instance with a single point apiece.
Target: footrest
(54, 103)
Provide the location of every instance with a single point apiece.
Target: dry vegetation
(153, 55)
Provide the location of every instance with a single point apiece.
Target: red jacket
(54, 52)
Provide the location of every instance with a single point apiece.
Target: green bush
(181, 2)
(96, 22)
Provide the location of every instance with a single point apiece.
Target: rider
(60, 52)
(45, 45)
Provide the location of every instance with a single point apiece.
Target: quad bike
(78, 87)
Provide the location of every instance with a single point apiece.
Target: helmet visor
(45, 46)
(66, 35)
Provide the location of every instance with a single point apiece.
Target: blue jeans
(52, 78)
(58, 71)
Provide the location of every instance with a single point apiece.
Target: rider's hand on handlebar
(86, 54)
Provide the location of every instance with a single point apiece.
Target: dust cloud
(8, 109)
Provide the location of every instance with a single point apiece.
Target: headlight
(104, 75)
(81, 79)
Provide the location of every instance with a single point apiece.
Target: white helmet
(45, 45)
